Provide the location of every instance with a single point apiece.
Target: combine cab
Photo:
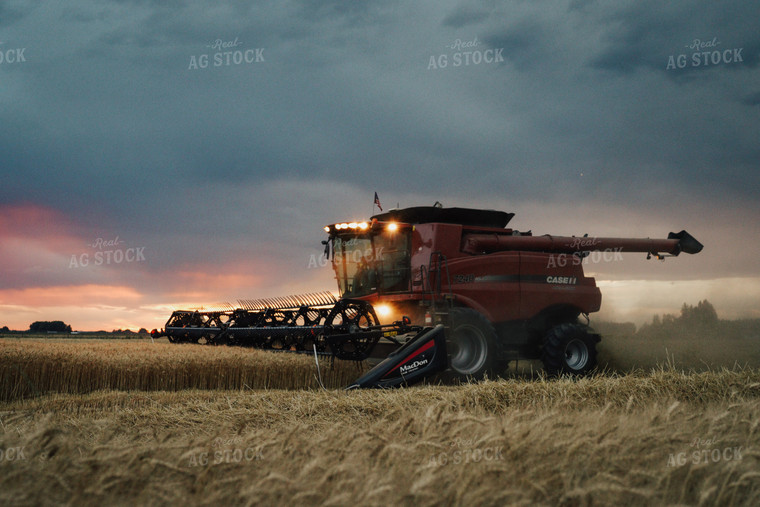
(486, 294)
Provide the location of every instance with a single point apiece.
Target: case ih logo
(565, 280)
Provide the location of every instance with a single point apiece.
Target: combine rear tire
(569, 348)
(471, 344)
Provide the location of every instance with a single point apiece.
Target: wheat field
(645, 437)
(32, 367)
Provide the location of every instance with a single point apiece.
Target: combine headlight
(348, 225)
(383, 310)
(392, 227)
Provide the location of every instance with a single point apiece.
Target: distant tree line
(59, 327)
(697, 322)
(702, 315)
(54, 326)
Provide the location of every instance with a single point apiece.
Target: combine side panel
(555, 280)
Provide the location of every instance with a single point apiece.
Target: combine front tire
(569, 348)
(471, 344)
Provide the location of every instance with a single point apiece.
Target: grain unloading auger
(488, 295)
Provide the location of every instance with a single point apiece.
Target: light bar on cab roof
(363, 226)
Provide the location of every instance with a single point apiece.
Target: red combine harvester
(468, 295)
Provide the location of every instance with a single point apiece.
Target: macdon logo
(406, 368)
(567, 280)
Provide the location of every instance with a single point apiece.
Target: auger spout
(488, 243)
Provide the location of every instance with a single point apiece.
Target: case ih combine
(468, 294)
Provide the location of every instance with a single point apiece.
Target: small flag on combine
(377, 201)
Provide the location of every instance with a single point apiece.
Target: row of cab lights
(362, 226)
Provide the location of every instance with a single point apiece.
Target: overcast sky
(213, 141)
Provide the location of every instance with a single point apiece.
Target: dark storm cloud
(523, 43)
(108, 122)
(752, 99)
(10, 14)
(601, 98)
(464, 15)
(634, 35)
(360, 10)
(644, 34)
